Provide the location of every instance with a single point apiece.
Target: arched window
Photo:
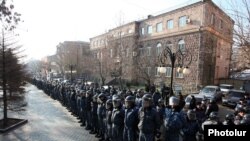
(181, 45)
(158, 48)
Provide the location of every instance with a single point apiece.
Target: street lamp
(181, 59)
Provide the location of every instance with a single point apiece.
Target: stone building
(75, 56)
(201, 28)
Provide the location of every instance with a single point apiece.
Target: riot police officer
(149, 121)
(101, 114)
(174, 120)
(192, 127)
(131, 119)
(109, 109)
(229, 120)
(212, 120)
(117, 119)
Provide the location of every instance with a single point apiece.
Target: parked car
(232, 98)
(212, 92)
(225, 88)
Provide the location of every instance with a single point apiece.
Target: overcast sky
(49, 22)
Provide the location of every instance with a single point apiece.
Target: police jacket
(149, 121)
(131, 118)
(117, 117)
(173, 120)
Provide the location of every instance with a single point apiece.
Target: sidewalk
(47, 121)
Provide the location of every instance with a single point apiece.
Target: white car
(212, 92)
(225, 88)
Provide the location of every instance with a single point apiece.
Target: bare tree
(144, 65)
(240, 12)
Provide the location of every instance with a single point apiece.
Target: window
(179, 75)
(181, 45)
(159, 49)
(101, 55)
(111, 53)
(127, 52)
(148, 51)
(182, 21)
(212, 19)
(168, 71)
(122, 33)
(170, 24)
(150, 29)
(158, 27)
(156, 71)
(142, 31)
(221, 24)
(149, 70)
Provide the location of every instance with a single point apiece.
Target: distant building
(202, 28)
(70, 55)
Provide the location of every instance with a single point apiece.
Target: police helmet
(247, 118)
(116, 101)
(213, 115)
(160, 101)
(102, 97)
(129, 101)
(173, 101)
(147, 97)
(191, 115)
(229, 117)
(109, 104)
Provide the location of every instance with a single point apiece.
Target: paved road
(47, 121)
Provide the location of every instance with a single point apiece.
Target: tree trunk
(4, 83)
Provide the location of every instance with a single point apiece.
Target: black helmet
(109, 104)
(191, 115)
(213, 115)
(160, 101)
(229, 117)
(147, 97)
(102, 97)
(116, 101)
(147, 100)
(129, 101)
(246, 117)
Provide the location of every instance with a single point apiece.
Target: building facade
(202, 28)
(73, 56)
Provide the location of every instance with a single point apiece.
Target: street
(47, 121)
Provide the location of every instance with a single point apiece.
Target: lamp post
(181, 59)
